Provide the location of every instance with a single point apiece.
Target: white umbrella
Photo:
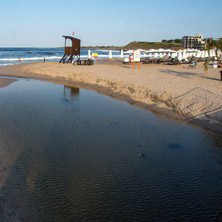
(194, 52)
(174, 54)
(206, 55)
(147, 53)
(150, 52)
(160, 51)
(203, 53)
(212, 53)
(198, 54)
(129, 51)
(179, 55)
(141, 50)
(189, 54)
(184, 54)
(144, 53)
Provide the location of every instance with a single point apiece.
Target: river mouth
(83, 156)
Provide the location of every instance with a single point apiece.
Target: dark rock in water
(174, 146)
(142, 155)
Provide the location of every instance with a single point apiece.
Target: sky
(42, 23)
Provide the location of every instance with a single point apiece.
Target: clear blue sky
(41, 23)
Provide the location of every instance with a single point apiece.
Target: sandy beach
(6, 81)
(190, 95)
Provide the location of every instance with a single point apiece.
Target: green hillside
(153, 45)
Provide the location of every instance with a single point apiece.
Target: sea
(11, 56)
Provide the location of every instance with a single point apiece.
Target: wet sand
(190, 95)
(6, 81)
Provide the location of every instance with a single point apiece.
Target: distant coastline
(138, 45)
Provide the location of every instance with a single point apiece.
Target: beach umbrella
(212, 53)
(174, 54)
(110, 54)
(198, 54)
(188, 53)
(169, 51)
(165, 52)
(179, 55)
(194, 52)
(160, 52)
(121, 55)
(191, 52)
(155, 54)
(203, 53)
(147, 53)
(152, 53)
(184, 54)
(141, 50)
(144, 54)
(129, 51)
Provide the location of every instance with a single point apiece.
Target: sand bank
(176, 91)
(6, 81)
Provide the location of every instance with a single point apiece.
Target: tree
(177, 40)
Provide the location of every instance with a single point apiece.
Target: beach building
(193, 42)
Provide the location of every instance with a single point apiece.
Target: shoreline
(179, 93)
(6, 81)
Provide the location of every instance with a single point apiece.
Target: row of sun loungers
(169, 61)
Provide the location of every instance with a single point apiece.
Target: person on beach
(19, 59)
(193, 64)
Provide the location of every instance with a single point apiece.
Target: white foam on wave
(12, 61)
(31, 58)
(84, 56)
(103, 56)
(6, 64)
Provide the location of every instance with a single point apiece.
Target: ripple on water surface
(87, 157)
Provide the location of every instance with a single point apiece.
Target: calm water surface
(87, 157)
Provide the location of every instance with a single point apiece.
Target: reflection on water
(87, 157)
(71, 93)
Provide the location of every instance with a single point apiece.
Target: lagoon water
(83, 156)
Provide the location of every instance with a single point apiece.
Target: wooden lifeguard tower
(71, 52)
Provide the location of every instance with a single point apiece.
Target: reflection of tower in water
(71, 97)
(71, 93)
